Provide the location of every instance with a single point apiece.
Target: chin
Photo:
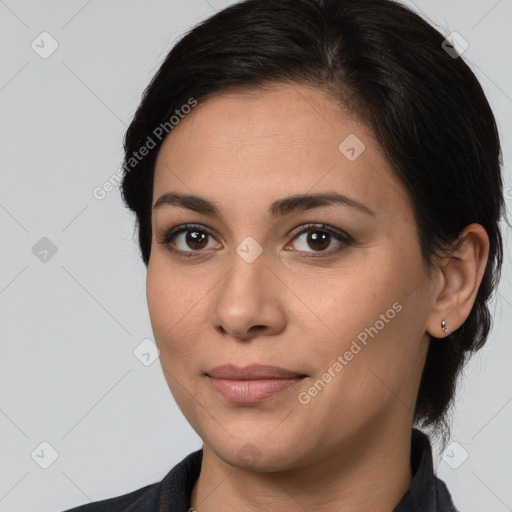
(259, 454)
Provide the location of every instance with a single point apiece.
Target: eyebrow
(279, 208)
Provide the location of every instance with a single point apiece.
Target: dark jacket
(172, 494)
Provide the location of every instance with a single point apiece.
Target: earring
(444, 327)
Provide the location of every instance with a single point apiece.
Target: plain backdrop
(74, 396)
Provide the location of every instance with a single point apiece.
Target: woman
(321, 236)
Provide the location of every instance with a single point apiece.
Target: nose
(248, 301)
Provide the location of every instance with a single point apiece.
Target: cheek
(170, 301)
(342, 302)
(161, 296)
(370, 318)
(180, 307)
(173, 309)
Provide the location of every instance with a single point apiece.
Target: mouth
(251, 384)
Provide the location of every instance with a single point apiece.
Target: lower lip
(251, 391)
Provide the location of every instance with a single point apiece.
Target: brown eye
(318, 240)
(189, 239)
(196, 239)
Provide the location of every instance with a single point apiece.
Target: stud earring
(444, 327)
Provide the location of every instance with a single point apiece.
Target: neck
(369, 471)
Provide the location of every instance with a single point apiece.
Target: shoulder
(171, 493)
(145, 497)
(444, 501)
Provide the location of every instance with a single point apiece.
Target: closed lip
(252, 372)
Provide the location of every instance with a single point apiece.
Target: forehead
(288, 139)
(279, 115)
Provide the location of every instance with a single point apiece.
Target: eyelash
(342, 237)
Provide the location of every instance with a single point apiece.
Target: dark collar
(426, 494)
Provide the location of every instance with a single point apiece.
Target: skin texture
(348, 448)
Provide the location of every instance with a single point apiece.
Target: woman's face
(335, 292)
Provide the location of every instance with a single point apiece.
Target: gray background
(70, 323)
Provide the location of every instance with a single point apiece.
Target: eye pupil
(315, 238)
(196, 239)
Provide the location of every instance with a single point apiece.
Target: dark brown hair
(389, 66)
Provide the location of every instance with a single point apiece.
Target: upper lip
(252, 372)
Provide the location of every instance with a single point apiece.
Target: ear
(460, 273)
